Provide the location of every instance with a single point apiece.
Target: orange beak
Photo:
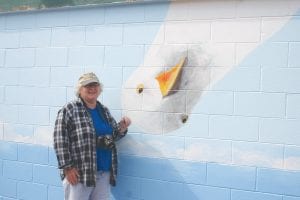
(167, 79)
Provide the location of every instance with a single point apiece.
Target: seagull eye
(184, 118)
(140, 88)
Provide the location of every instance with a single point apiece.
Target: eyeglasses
(90, 85)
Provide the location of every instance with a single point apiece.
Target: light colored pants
(81, 192)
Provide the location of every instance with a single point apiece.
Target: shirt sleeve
(62, 140)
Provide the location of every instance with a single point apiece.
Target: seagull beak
(167, 79)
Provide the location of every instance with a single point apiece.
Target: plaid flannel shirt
(75, 141)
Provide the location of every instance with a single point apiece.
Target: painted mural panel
(211, 88)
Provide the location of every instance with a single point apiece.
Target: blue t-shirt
(102, 128)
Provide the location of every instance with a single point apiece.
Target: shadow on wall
(158, 178)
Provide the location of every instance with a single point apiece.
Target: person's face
(90, 92)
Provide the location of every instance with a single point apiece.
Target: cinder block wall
(242, 138)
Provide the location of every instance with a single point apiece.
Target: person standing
(84, 142)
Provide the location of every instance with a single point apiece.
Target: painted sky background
(255, 141)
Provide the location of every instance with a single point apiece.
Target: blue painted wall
(241, 142)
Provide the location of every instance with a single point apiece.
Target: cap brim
(84, 83)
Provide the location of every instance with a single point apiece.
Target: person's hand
(72, 175)
(124, 123)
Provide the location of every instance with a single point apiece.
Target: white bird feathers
(159, 99)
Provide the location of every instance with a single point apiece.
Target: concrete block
(126, 55)
(34, 77)
(52, 18)
(249, 195)
(33, 153)
(257, 154)
(8, 187)
(203, 192)
(9, 39)
(8, 150)
(259, 104)
(51, 96)
(281, 80)
(61, 77)
(55, 193)
(208, 150)
(125, 14)
(294, 54)
(9, 113)
(293, 106)
(46, 57)
(17, 170)
(26, 57)
(238, 177)
(139, 34)
(38, 115)
(233, 128)
(104, 35)
(243, 30)
(210, 103)
(32, 191)
(86, 16)
(193, 32)
(18, 132)
(292, 157)
(280, 131)
(35, 37)
(164, 190)
(68, 36)
(21, 21)
(239, 79)
(86, 56)
(278, 182)
(47, 175)
(211, 10)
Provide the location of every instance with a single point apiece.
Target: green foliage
(56, 3)
(18, 5)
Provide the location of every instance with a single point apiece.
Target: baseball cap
(88, 78)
